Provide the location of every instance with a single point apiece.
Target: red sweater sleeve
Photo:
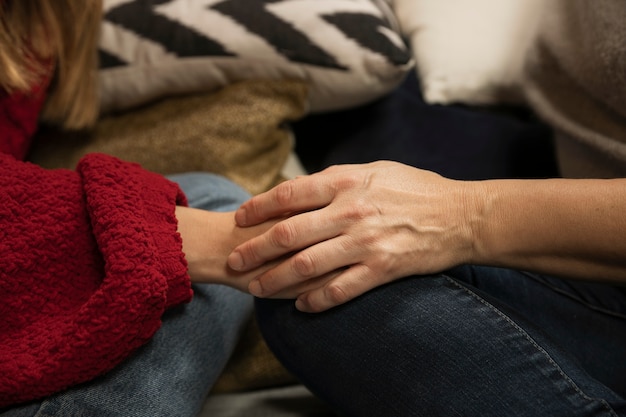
(89, 261)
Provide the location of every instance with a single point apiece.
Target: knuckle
(380, 164)
(382, 262)
(248, 252)
(284, 193)
(333, 169)
(360, 209)
(266, 281)
(304, 265)
(305, 301)
(347, 182)
(284, 235)
(253, 206)
(385, 265)
(311, 303)
(336, 294)
(372, 241)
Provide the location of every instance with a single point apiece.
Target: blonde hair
(38, 35)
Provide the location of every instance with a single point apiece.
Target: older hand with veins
(351, 228)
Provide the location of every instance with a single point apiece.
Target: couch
(186, 86)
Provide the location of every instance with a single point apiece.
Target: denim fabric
(456, 141)
(474, 341)
(172, 374)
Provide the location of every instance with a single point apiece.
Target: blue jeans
(171, 375)
(474, 341)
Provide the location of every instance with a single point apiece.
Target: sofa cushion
(240, 131)
(470, 52)
(349, 51)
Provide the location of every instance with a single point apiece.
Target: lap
(172, 374)
(586, 319)
(475, 341)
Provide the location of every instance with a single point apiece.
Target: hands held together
(336, 234)
(329, 237)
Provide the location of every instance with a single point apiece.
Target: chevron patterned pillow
(350, 51)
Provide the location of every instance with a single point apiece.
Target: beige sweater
(576, 80)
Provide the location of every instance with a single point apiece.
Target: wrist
(479, 199)
(207, 240)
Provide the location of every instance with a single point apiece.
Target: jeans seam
(576, 388)
(593, 307)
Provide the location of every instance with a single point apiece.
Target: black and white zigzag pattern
(300, 31)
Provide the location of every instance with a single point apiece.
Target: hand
(351, 228)
(208, 238)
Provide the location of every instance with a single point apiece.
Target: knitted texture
(89, 261)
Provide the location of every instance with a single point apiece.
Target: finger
(348, 285)
(308, 264)
(286, 236)
(293, 196)
(296, 290)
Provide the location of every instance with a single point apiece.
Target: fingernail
(241, 216)
(255, 288)
(235, 261)
(301, 306)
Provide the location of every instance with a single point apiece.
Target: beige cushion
(466, 51)
(240, 131)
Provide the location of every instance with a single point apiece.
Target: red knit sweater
(89, 261)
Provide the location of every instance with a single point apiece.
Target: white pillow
(350, 51)
(469, 51)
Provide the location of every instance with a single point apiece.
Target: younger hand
(208, 238)
(351, 228)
